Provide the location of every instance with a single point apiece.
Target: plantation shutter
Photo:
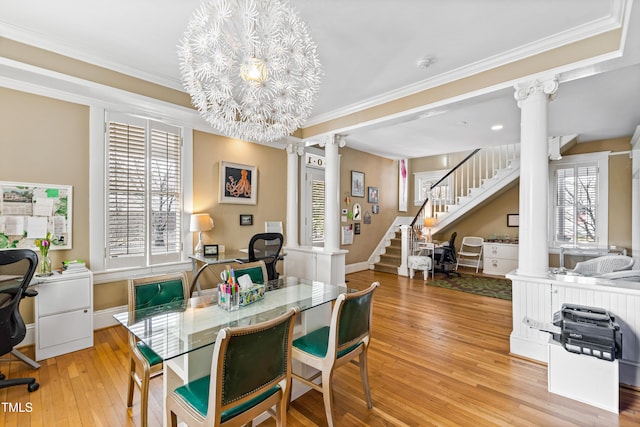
(165, 203)
(317, 211)
(143, 192)
(576, 204)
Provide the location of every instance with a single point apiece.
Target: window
(317, 210)
(580, 200)
(143, 192)
(423, 182)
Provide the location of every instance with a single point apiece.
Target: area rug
(495, 287)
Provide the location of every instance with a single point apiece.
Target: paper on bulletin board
(30, 211)
(347, 234)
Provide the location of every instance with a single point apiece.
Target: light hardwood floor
(437, 357)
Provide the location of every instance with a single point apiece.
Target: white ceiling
(369, 51)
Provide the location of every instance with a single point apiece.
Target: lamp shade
(201, 222)
(429, 222)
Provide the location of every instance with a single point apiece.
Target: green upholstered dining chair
(330, 347)
(250, 373)
(257, 270)
(146, 293)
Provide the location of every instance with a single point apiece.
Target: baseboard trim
(354, 268)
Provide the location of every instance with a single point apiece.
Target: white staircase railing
(477, 173)
(475, 176)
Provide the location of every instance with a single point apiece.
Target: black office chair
(266, 247)
(17, 267)
(445, 258)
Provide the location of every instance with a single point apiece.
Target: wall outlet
(220, 248)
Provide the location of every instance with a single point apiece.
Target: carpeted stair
(390, 261)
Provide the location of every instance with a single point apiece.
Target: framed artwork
(513, 220)
(357, 212)
(210, 250)
(357, 184)
(238, 183)
(375, 209)
(356, 228)
(246, 219)
(402, 185)
(373, 195)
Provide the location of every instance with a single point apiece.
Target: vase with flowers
(45, 262)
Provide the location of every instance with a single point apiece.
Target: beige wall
(378, 172)
(271, 163)
(46, 141)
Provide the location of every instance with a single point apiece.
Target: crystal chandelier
(250, 67)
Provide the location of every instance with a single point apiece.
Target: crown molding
(620, 10)
(20, 35)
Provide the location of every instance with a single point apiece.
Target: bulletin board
(28, 211)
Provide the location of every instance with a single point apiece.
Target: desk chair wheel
(2, 377)
(33, 387)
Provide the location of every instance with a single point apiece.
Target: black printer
(588, 330)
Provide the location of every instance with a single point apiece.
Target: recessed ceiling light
(497, 127)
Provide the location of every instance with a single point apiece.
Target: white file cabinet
(63, 313)
(499, 258)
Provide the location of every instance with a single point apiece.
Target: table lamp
(200, 223)
(428, 223)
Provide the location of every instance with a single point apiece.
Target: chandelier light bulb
(254, 70)
(251, 68)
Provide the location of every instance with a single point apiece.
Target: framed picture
(375, 209)
(513, 220)
(356, 228)
(246, 219)
(210, 250)
(357, 212)
(357, 184)
(238, 183)
(373, 195)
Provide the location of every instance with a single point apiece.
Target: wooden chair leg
(144, 398)
(327, 396)
(364, 375)
(132, 373)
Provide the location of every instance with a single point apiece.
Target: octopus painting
(240, 188)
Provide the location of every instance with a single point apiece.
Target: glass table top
(174, 329)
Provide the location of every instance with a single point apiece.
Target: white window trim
(97, 204)
(602, 226)
(429, 175)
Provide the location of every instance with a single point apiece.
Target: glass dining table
(183, 333)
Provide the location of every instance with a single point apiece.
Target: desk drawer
(64, 328)
(497, 250)
(499, 266)
(61, 296)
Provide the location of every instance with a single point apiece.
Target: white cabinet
(499, 258)
(63, 313)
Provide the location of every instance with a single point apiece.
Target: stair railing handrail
(447, 175)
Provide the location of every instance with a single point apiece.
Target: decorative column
(533, 98)
(332, 192)
(294, 151)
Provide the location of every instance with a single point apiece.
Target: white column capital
(295, 148)
(328, 139)
(548, 87)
